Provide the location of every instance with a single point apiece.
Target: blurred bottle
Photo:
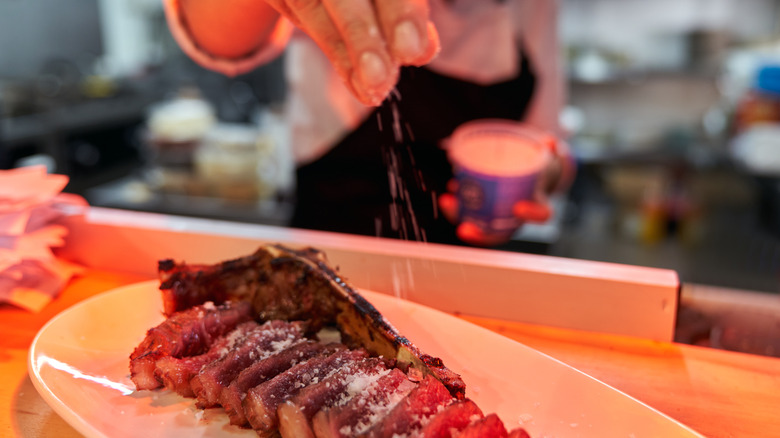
(237, 162)
(175, 129)
(761, 104)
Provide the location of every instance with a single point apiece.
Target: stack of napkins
(31, 203)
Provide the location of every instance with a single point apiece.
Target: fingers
(448, 205)
(412, 38)
(374, 72)
(532, 211)
(312, 17)
(473, 235)
(366, 40)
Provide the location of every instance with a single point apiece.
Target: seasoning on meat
(186, 333)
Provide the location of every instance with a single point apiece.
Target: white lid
(499, 147)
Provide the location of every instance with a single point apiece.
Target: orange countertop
(717, 393)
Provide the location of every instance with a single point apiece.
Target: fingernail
(407, 43)
(373, 71)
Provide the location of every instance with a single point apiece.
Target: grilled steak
(184, 286)
(365, 409)
(261, 371)
(176, 373)
(257, 354)
(187, 333)
(288, 284)
(262, 401)
(263, 341)
(489, 426)
(409, 414)
(453, 418)
(296, 413)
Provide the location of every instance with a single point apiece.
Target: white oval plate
(79, 365)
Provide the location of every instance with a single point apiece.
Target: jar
(229, 161)
(760, 105)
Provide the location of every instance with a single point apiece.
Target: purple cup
(496, 164)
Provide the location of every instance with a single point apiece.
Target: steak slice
(409, 414)
(265, 340)
(453, 418)
(490, 425)
(262, 401)
(185, 333)
(176, 373)
(261, 371)
(358, 414)
(295, 414)
(518, 433)
(290, 284)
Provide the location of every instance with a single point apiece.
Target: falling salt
(403, 218)
(399, 135)
(409, 130)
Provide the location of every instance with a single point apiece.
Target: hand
(366, 40)
(536, 211)
(557, 175)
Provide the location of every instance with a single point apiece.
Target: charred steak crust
(184, 286)
(298, 284)
(363, 325)
(253, 353)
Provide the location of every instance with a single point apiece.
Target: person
(375, 86)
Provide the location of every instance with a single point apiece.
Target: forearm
(230, 36)
(542, 45)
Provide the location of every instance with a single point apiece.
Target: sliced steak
(518, 433)
(295, 414)
(299, 284)
(186, 333)
(261, 371)
(453, 418)
(262, 401)
(423, 402)
(267, 339)
(176, 373)
(490, 425)
(359, 413)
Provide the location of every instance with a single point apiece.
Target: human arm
(229, 36)
(365, 40)
(556, 176)
(538, 32)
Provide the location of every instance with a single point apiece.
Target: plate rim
(84, 427)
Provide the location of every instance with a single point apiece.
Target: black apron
(384, 177)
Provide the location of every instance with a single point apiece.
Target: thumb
(448, 204)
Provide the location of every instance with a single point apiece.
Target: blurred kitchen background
(674, 114)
